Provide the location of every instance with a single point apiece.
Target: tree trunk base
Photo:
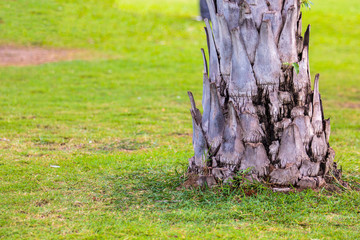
(331, 181)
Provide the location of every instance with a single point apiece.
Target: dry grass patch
(28, 56)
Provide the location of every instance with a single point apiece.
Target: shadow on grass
(163, 188)
(160, 193)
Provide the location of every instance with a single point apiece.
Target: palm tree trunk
(260, 116)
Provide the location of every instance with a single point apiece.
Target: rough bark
(260, 116)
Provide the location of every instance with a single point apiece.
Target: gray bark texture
(260, 116)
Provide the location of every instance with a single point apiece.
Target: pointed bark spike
(317, 118)
(216, 120)
(207, 38)
(231, 11)
(225, 46)
(255, 159)
(258, 7)
(242, 80)
(305, 59)
(301, 80)
(306, 49)
(250, 125)
(305, 128)
(310, 108)
(285, 177)
(299, 44)
(199, 143)
(205, 62)
(250, 36)
(291, 149)
(276, 23)
(289, 4)
(309, 168)
(287, 41)
(307, 182)
(307, 36)
(192, 101)
(317, 124)
(316, 97)
(299, 38)
(267, 65)
(232, 147)
(213, 56)
(319, 147)
(214, 23)
(206, 103)
(299, 25)
(194, 110)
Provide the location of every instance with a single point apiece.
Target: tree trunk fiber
(260, 116)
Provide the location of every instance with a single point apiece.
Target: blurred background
(121, 69)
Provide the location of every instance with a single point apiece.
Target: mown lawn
(119, 127)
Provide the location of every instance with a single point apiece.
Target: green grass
(120, 129)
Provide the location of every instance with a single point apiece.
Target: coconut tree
(260, 116)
